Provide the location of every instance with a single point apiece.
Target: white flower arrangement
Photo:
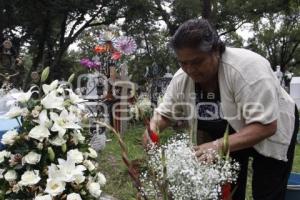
(175, 173)
(49, 156)
(143, 104)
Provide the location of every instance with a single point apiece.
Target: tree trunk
(39, 52)
(55, 73)
(206, 10)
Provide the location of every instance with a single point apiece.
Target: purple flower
(126, 45)
(89, 63)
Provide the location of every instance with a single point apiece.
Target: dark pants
(270, 176)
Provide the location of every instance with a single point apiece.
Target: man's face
(201, 67)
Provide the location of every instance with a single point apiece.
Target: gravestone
(125, 85)
(295, 90)
(279, 75)
(159, 86)
(95, 89)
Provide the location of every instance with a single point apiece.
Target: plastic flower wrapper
(49, 156)
(174, 172)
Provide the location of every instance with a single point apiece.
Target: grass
(119, 183)
(296, 164)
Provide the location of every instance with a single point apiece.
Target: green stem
(165, 183)
(19, 122)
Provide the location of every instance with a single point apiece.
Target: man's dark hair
(197, 34)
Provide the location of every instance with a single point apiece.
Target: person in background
(218, 86)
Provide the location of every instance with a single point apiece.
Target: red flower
(116, 55)
(154, 137)
(226, 191)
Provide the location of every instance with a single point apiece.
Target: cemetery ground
(119, 183)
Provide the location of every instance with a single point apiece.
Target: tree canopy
(44, 30)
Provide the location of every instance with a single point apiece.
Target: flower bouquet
(141, 103)
(49, 156)
(174, 172)
(106, 64)
(108, 53)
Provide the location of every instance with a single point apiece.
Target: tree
(277, 37)
(50, 27)
(157, 20)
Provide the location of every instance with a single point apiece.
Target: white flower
(23, 97)
(74, 196)
(54, 172)
(78, 137)
(1, 173)
(75, 155)
(57, 141)
(44, 120)
(69, 170)
(144, 104)
(38, 108)
(107, 36)
(9, 137)
(52, 101)
(76, 173)
(79, 178)
(60, 90)
(32, 158)
(55, 187)
(35, 113)
(10, 175)
(16, 188)
(44, 197)
(25, 112)
(101, 179)
(188, 178)
(76, 109)
(92, 153)
(94, 189)
(39, 132)
(14, 112)
(75, 99)
(51, 87)
(40, 146)
(30, 178)
(63, 122)
(89, 165)
(4, 154)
